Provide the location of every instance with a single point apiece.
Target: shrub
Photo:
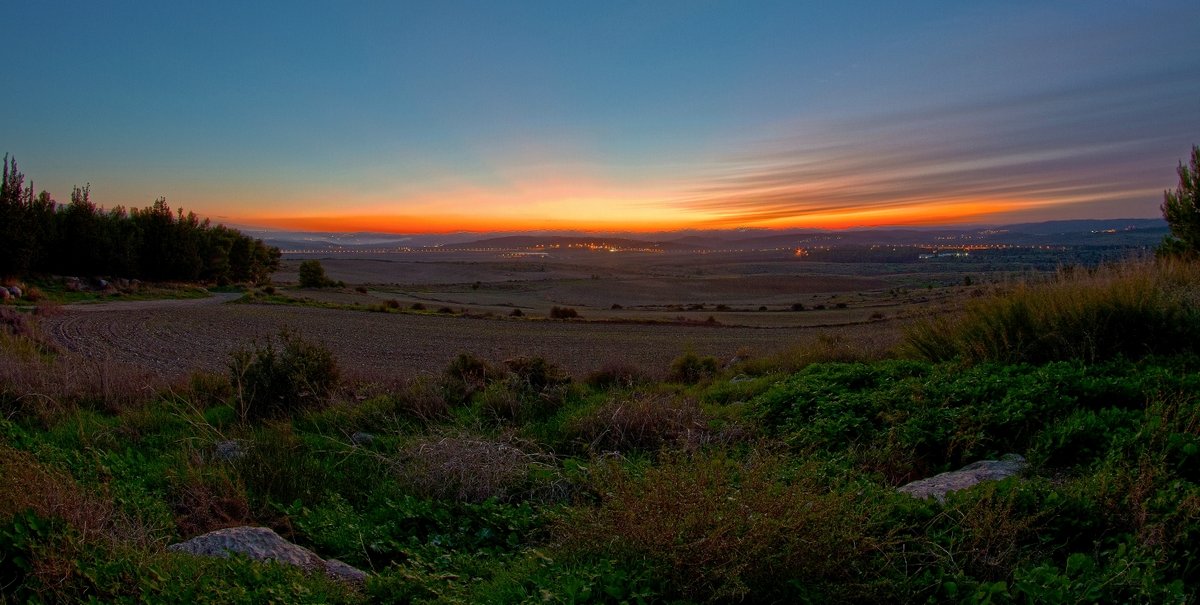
(391, 304)
(795, 307)
(271, 383)
(690, 368)
(535, 374)
(417, 307)
(1134, 309)
(445, 310)
(466, 469)
(467, 374)
(563, 313)
(269, 290)
(312, 275)
(640, 422)
(516, 313)
(616, 375)
(360, 289)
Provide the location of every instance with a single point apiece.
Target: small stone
(228, 450)
(362, 438)
(740, 378)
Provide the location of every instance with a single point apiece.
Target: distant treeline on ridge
(40, 235)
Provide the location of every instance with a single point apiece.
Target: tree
(312, 275)
(1181, 208)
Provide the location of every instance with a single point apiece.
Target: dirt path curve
(149, 305)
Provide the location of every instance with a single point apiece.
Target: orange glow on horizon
(928, 214)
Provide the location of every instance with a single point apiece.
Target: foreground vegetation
(763, 480)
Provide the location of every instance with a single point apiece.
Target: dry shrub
(209, 389)
(469, 469)
(563, 313)
(721, 529)
(616, 375)
(204, 499)
(26, 484)
(47, 308)
(643, 421)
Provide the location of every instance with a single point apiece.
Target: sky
(444, 116)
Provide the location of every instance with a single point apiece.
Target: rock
(122, 283)
(976, 472)
(263, 544)
(15, 291)
(102, 283)
(4, 295)
(740, 378)
(362, 438)
(228, 450)
(342, 571)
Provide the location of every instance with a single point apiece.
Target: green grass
(509, 483)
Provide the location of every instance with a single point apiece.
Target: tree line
(41, 235)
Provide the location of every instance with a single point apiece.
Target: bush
(535, 374)
(312, 275)
(466, 469)
(616, 375)
(271, 383)
(690, 368)
(1134, 309)
(563, 313)
(641, 422)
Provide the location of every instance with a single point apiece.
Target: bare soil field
(176, 339)
(642, 309)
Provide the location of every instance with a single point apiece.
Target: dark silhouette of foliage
(41, 235)
(276, 383)
(312, 275)
(1181, 208)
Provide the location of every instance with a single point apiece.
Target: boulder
(263, 544)
(362, 438)
(102, 283)
(938, 486)
(15, 291)
(740, 378)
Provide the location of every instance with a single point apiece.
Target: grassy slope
(512, 484)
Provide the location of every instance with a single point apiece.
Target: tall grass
(1131, 309)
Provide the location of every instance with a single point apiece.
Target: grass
(766, 479)
(1132, 309)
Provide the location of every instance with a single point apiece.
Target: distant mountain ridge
(1130, 231)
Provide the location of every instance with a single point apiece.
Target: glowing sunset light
(481, 116)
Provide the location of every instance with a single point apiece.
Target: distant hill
(1083, 232)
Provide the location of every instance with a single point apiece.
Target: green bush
(691, 368)
(312, 275)
(275, 383)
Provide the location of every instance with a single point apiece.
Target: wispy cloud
(1051, 153)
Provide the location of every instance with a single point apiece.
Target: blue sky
(502, 115)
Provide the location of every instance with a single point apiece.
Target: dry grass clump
(826, 348)
(469, 469)
(641, 422)
(46, 389)
(721, 529)
(617, 375)
(1132, 309)
(206, 498)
